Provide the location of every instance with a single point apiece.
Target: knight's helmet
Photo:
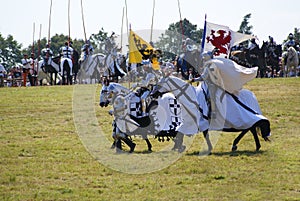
(291, 36)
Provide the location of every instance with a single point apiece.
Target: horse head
(109, 91)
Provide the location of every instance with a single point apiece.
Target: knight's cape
(229, 75)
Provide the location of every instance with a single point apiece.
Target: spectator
(26, 69)
(2, 75)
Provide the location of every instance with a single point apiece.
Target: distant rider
(47, 54)
(66, 53)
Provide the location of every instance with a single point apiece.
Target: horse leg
(257, 143)
(55, 78)
(179, 143)
(118, 144)
(237, 139)
(129, 143)
(208, 142)
(148, 144)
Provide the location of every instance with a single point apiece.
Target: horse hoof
(257, 148)
(234, 148)
(132, 148)
(182, 149)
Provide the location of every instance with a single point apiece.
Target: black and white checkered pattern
(135, 109)
(176, 120)
(174, 107)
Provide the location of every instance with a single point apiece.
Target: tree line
(170, 42)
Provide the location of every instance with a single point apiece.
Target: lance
(69, 25)
(152, 21)
(49, 22)
(122, 28)
(83, 21)
(32, 50)
(126, 18)
(181, 25)
(39, 49)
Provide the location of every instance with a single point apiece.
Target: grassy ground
(42, 156)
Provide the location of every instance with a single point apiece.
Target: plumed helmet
(291, 36)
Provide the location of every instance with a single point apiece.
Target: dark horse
(52, 69)
(76, 65)
(251, 58)
(272, 55)
(66, 75)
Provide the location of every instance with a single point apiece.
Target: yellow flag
(139, 49)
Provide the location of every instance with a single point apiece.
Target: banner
(223, 38)
(139, 49)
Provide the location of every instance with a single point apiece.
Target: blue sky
(275, 18)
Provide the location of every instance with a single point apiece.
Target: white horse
(91, 67)
(211, 107)
(113, 66)
(290, 60)
(164, 114)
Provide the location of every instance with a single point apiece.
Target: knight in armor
(87, 49)
(291, 42)
(146, 85)
(271, 46)
(47, 54)
(188, 45)
(66, 53)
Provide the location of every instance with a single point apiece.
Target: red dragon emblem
(220, 40)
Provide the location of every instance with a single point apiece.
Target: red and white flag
(222, 37)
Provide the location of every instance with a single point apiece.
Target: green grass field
(42, 156)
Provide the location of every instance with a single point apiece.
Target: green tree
(57, 41)
(98, 40)
(245, 28)
(10, 52)
(171, 42)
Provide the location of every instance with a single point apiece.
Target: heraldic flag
(223, 38)
(139, 49)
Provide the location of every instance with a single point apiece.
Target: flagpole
(202, 43)
(203, 36)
